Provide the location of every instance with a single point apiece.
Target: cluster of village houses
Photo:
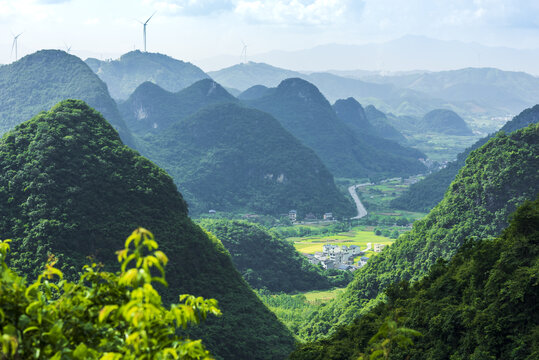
(342, 257)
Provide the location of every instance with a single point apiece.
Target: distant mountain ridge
(125, 74)
(305, 112)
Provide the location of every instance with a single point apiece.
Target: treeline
(266, 261)
(482, 304)
(496, 179)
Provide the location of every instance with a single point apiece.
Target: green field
(441, 147)
(318, 297)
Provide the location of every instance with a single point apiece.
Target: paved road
(361, 211)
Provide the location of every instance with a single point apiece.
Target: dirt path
(361, 211)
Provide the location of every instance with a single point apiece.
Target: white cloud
(192, 7)
(304, 12)
(313, 12)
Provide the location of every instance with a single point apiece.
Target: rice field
(312, 244)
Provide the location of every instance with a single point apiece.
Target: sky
(191, 30)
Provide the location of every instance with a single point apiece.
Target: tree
(106, 316)
(389, 337)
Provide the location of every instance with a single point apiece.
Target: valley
(155, 207)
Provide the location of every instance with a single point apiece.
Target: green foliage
(101, 315)
(151, 109)
(266, 261)
(444, 121)
(482, 304)
(69, 187)
(496, 179)
(381, 124)
(425, 194)
(124, 75)
(38, 81)
(230, 158)
(304, 111)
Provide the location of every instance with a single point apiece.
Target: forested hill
(497, 178)
(267, 261)
(425, 194)
(38, 81)
(354, 116)
(482, 304)
(69, 187)
(303, 110)
(125, 74)
(230, 158)
(151, 109)
(444, 121)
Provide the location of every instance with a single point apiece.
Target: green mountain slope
(304, 111)
(353, 115)
(124, 75)
(153, 109)
(38, 81)
(267, 261)
(480, 305)
(497, 178)
(425, 194)
(69, 187)
(380, 122)
(231, 158)
(444, 121)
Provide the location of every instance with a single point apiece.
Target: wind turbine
(144, 29)
(14, 46)
(68, 48)
(244, 53)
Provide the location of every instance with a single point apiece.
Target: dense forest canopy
(69, 187)
(267, 261)
(38, 81)
(482, 304)
(497, 178)
(230, 158)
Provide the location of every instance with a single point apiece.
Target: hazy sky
(197, 29)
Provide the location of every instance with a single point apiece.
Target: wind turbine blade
(13, 46)
(150, 17)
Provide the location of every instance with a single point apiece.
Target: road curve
(361, 211)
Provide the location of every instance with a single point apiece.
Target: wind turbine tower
(244, 53)
(144, 30)
(14, 46)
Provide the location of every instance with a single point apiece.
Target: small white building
(379, 247)
(292, 215)
(328, 216)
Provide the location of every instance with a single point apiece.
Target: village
(342, 257)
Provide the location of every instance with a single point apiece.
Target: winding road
(361, 211)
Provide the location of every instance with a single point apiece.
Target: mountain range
(125, 74)
(306, 113)
(70, 189)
